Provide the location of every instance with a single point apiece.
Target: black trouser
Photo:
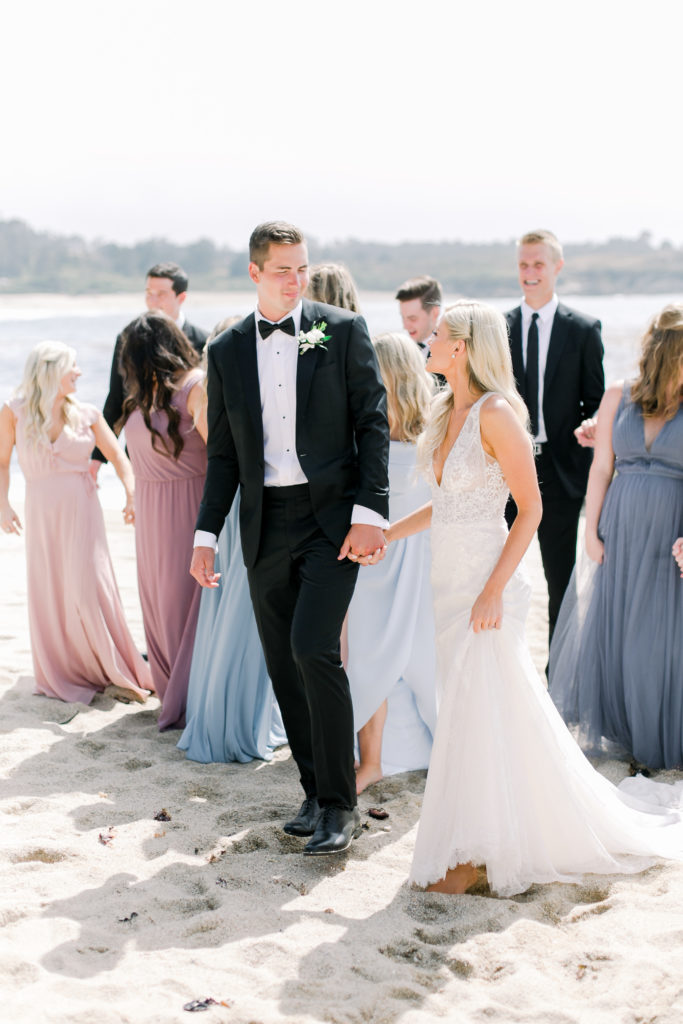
(300, 594)
(557, 532)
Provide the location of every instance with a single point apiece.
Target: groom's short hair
(272, 232)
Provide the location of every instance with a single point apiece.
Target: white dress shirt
(277, 358)
(546, 315)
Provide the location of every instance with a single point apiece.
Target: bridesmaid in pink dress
(168, 451)
(79, 638)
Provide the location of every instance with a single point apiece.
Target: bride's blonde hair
(45, 367)
(489, 368)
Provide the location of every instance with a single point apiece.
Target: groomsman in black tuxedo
(165, 290)
(297, 419)
(557, 361)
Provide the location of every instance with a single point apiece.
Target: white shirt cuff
(366, 517)
(204, 539)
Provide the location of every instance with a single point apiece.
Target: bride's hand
(487, 611)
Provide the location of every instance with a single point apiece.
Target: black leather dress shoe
(336, 828)
(306, 820)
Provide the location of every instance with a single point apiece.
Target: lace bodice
(472, 484)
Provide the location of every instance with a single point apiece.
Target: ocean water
(90, 324)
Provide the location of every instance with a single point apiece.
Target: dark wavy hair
(154, 354)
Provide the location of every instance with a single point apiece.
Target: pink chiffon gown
(79, 638)
(167, 496)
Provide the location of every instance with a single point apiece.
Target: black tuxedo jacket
(113, 406)
(342, 432)
(573, 384)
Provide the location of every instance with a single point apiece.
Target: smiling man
(297, 420)
(419, 302)
(557, 360)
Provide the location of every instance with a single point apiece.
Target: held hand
(487, 612)
(677, 552)
(595, 549)
(10, 521)
(363, 544)
(93, 469)
(585, 434)
(202, 567)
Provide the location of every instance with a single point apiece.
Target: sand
(110, 916)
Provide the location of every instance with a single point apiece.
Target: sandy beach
(135, 881)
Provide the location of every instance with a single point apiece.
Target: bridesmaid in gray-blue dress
(616, 661)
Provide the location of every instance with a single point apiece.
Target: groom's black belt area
(283, 493)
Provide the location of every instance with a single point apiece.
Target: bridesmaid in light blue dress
(390, 629)
(232, 714)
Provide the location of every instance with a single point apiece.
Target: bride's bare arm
(417, 521)
(505, 440)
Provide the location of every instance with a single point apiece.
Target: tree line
(40, 261)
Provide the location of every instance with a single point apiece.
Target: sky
(378, 120)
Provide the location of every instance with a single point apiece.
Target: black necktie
(531, 374)
(265, 328)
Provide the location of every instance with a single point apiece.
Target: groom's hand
(363, 544)
(201, 567)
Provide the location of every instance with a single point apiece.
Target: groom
(297, 417)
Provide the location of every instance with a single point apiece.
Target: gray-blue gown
(616, 660)
(232, 714)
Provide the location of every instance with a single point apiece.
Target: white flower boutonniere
(315, 338)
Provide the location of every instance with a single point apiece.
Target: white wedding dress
(507, 786)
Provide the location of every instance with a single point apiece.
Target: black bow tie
(265, 328)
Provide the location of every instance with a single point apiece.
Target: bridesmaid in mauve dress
(79, 638)
(168, 452)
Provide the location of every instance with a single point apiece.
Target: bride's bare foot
(366, 775)
(456, 881)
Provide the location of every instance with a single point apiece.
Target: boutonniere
(315, 338)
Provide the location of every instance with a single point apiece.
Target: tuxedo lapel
(558, 339)
(248, 366)
(306, 362)
(515, 326)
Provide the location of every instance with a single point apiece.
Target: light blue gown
(232, 714)
(392, 650)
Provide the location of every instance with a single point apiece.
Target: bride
(507, 786)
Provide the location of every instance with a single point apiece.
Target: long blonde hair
(409, 386)
(489, 368)
(45, 367)
(656, 389)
